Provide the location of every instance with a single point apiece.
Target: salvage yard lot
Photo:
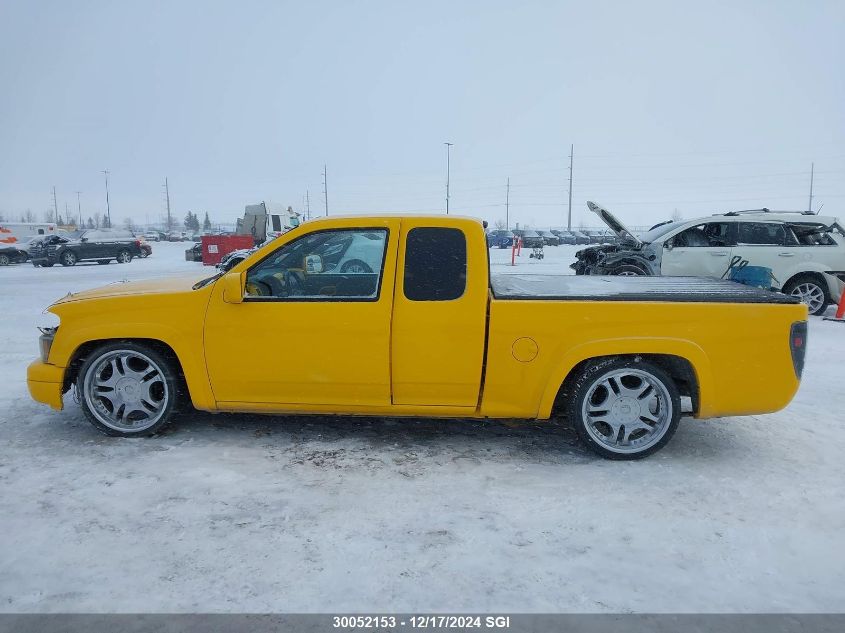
(251, 513)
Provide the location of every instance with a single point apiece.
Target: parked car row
(501, 238)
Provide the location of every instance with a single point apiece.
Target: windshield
(657, 232)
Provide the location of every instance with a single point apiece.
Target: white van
(15, 236)
(22, 232)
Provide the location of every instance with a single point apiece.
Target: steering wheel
(293, 284)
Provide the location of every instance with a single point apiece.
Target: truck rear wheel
(624, 408)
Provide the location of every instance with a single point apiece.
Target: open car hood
(615, 225)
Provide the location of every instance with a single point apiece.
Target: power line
(326, 188)
(55, 206)
(448, 170)
(569, 216)
(108, 206)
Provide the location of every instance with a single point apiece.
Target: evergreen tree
(90, 223)
(206, 223)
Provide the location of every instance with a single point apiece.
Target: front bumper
(45, 383)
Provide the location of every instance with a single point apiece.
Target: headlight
(45, 342)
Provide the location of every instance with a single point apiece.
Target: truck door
(307, 334)
(439, 314)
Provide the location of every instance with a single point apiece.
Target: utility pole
(167, 196)
(79, 208)
(55, 206)
(307, 205)
(810, 206)
(326, 188)
(569, 216)
(108, 206)
(448, 148)
(507, 204)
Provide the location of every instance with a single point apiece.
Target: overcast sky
(695, 106)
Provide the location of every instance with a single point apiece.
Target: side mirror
(233, 287)
(313, 264)
(84, 239)
(668, 245)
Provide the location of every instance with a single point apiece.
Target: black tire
(807, 281)
(4, 259)
(124, 256)
(68, 258)
(355, 263)
(103, 261)
(628, 270)
(171, 378)
(583, 385)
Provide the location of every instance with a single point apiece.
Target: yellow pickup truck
(399, 316)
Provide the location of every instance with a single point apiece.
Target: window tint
(435, 264)
(761, 233)
(277, 222)
(324, 265)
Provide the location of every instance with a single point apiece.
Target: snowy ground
(248, 513)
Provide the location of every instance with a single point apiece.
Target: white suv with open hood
(805, 252)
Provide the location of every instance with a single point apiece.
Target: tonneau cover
(622, 288)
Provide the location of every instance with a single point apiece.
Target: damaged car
(805, 252)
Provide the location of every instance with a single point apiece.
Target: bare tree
(499, 225)
(28, 216)
(97, 219)
(129, 224)
(676, 216)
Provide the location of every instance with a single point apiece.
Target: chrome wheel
(126, 391)
(810, 294)
(124, 257)
(627, 410)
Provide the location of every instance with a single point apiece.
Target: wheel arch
(82, 352)
(818, 275)
(683, 361)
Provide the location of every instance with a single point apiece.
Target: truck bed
(616, 288)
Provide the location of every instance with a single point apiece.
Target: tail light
(798, 346)
(138, 243)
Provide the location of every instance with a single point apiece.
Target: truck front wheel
(128, 390)
(624, 408)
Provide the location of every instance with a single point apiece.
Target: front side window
(435, 264)
(710, 234)
(342, 264)
(763, 233)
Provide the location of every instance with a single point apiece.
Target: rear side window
(761, 233)
(435, 264)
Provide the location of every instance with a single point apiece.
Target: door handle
(719, 253)
(786, 254)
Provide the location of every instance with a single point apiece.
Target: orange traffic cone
(840, 311)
